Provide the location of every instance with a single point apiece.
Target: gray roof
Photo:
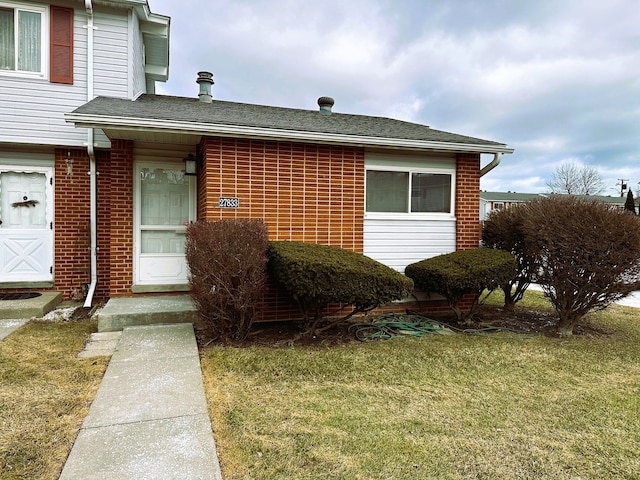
(509, 196)
(160, 109)
(525, 197)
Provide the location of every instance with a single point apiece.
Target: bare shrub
(504, 230)
(227, 261)
(588, 254)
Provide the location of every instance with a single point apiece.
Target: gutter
(200, 129)
(493, 164)
(92, 164)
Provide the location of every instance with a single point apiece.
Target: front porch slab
(120, 312)
(36, 307)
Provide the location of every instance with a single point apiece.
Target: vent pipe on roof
(205, 80)
(325, 104)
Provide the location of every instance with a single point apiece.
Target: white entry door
(165, 205)
(26, 223)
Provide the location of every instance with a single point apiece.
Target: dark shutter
(61, 44)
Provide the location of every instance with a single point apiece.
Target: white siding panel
(111, 55)
(32, 110)
(136, 52)
(397, 243)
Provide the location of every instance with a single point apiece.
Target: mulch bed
(288, 334)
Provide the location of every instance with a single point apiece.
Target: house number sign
(228, 202)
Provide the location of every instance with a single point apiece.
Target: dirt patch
(489, 319)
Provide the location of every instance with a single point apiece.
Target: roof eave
(200, 129)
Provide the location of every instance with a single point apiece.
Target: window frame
(43, 10)
(409, 214)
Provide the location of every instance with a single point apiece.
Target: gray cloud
(556, 80)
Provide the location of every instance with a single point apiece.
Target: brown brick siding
(304, 192)
(468, 201)
(121, 217)
(72, 247)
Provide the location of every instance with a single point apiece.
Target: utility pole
(623, 185)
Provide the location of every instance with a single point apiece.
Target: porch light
(190, 164)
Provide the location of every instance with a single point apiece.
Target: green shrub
(315, 276)
(227, 262)
(455, 275)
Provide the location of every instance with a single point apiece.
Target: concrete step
(123, 312)
(33, 307)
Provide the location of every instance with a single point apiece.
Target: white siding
(138, 81)
(397, 243)
(111, 54)
(397, 240)
(32, 110)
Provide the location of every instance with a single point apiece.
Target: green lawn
(45, 393)
(441, 407)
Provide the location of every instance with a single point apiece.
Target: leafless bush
(504, 230)
(227, 261)
(588, 254)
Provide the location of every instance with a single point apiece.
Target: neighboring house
(490, 201)
(395, 191)
(54, 57)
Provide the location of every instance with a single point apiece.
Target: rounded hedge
(315, 275)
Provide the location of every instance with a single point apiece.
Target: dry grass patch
(436, 407)
(46, 391)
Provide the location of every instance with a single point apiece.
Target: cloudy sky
(557, 80)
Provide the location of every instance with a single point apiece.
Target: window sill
(440, 217)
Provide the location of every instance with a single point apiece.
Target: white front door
(26, 223)
(165, 205)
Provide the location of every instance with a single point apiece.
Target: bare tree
(576, 179)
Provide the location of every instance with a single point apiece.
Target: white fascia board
(199, 129)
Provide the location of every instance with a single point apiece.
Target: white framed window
(23, 39)
(414, 192)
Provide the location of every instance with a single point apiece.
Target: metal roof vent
(205, 80)
(325, 104)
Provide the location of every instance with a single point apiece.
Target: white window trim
(44, 40)
(413, 215)
(137, 212)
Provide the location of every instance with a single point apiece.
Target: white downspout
(93, 217)
(494, 163)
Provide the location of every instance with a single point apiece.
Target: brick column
(121, 216)
(468, 232)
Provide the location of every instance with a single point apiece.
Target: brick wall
(72, 247)
(72, 216)
(468, 201)
(304, 192)
(121, 218)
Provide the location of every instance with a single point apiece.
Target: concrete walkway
(149, 419)
(8, 326)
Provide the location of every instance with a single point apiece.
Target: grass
(45, 393)
(435, 407)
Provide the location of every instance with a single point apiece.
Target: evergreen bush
(315, 276)
(457, 274)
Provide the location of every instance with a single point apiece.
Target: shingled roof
(167, 112)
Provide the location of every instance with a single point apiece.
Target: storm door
(26, 225)
(165, 205)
